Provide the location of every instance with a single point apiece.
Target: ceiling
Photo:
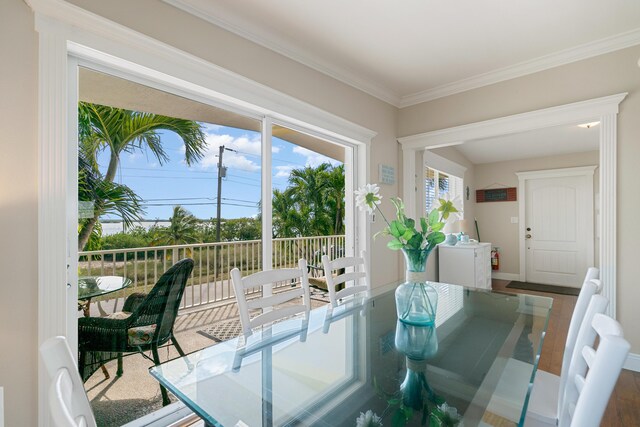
(411, 51)
(546, 142)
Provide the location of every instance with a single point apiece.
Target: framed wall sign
(497, 195)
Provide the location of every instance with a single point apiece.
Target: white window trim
(65, 29)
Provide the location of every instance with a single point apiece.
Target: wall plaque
(496, 195)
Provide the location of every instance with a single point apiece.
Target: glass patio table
(94, 286)
(476, 365)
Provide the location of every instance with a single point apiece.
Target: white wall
(592, 78)
(494, 218)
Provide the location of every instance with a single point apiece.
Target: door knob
(528, 236)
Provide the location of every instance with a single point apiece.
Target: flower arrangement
(402, 230)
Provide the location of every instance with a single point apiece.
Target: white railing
(210, 281)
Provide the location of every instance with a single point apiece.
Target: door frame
(603, 109)
(523, 177)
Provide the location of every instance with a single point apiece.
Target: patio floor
(119, 400)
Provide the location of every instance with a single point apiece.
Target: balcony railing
(210, 281)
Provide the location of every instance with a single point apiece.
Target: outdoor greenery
(312, 204)
(116, 130)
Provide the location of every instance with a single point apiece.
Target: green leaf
(393, 401)
(408, 234)
(437, 226)
(424, 225)
(399, 204)
(434, 217)
(435, 238)
(415, 241)
(395, 245)
(410, 223)
(397, 229)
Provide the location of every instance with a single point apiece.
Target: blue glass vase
(416, 300)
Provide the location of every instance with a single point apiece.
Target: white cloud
(283, 171)
(245, 159)
(314, 159)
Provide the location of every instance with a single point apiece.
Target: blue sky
(164, 186)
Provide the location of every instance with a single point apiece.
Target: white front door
(559, 229)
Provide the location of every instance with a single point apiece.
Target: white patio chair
(356, 280)
(593, 375)
(68, 401)
(273, 307)
(548, 388)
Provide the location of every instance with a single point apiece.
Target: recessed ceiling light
(588, 125)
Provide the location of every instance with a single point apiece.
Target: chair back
(160, 306)
(352, 271)
(593, 375)
(68, 401)
(272, 307)
(590, 287)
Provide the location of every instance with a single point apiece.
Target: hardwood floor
(624, 405)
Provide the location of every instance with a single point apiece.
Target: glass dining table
(357, 362)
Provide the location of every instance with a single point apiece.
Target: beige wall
(494, 219)
(600, 76)
(18, 215)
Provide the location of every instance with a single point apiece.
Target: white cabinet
(465, 264)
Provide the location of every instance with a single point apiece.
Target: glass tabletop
(94, 286)
(476, 365)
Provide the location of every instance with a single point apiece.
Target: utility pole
(222, 172)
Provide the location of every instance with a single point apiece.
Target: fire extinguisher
(495, 259)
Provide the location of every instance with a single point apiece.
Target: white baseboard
(633, 362)
(505, 276)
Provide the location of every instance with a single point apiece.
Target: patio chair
(273, 307)
(356, 280)
(68, 401)
(145, 324)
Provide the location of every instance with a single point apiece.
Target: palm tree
(334, 195)
(107, 197)
(119, 130)
(307, 186)
(182, 229)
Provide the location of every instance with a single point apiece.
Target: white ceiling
(537, 143)
(410, 51)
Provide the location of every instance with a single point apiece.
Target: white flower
(367, 197)
(450, 412)
(368, 419)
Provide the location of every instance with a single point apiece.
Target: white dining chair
(68, 401)
(549, 391)
(593, 375)
(272, 307)
(548, 388)
(353, 272)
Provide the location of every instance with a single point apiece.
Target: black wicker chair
(148, 326)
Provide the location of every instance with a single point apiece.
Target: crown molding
(293, 53)
(563, 57)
